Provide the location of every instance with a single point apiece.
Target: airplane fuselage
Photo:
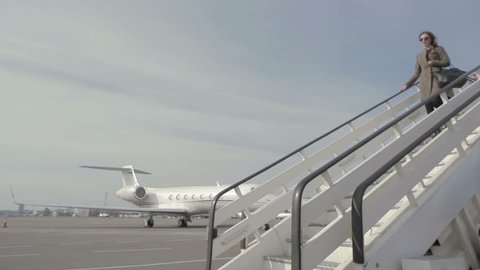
(194, 199)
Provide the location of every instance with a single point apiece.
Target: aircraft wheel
(149, 223)
(182, 223)
(266, 227)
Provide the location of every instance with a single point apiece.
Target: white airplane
(173, 201)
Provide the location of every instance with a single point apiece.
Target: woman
(430, 60)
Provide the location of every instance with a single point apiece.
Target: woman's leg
(429, 107)
(437, 102)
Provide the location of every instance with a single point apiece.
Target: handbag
(448, 75)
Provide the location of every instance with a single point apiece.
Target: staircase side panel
(416, 235)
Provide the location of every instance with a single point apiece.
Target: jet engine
(140, 193)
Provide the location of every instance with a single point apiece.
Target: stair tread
(325, 265)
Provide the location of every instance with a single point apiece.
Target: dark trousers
(435, 103)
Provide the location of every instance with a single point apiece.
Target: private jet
(184, 202)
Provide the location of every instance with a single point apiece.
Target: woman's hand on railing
(474, 76)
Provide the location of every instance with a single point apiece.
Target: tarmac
(94, 243)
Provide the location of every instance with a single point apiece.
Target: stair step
(325, 265)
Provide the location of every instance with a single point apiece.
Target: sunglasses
(425, 38)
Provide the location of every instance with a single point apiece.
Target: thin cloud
(195, 92)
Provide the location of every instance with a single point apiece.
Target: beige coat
(428, 84)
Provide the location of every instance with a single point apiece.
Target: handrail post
(357, 226)
(211, 234)
(297, 228)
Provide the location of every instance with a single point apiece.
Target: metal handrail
(357, 199)
(212, 232)
(299, 189)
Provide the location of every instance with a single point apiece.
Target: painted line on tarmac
(76, 244)
(18, 255)
(180, 240)
(24, 246)
(127, 241)
(145, 265)
(129, 250)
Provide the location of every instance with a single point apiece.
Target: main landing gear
(149, 222)
(183, 222)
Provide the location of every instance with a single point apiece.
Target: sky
(195, 92)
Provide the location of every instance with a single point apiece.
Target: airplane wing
(172, 211)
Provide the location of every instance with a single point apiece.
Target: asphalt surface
(66, 243)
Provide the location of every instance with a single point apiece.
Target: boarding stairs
(422, 195)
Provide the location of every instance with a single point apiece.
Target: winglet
(21, 206)
(12, 194)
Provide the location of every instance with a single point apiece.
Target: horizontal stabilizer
(127, 169)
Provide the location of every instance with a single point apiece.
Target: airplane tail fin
(21, 206)
(128, 173)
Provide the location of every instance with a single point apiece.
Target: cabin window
(170, 197)
(202, 196)
(185, 197)
(194, 196)
(179, 197)
(210, 196)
